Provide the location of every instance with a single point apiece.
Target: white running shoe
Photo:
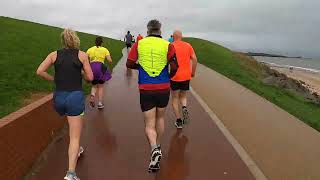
(154, 165)
(71, 177)
(100, 105)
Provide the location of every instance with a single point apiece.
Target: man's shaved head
(177, 35)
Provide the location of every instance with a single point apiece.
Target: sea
(312, 65)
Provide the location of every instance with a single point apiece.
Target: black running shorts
(150, 100)
(129, 45)
(95, 82)
(183, 85)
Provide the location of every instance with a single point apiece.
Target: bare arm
(87, 71)
(44, 66)
(109, 59)
(132, 65)
(172, 59)
(194, 64)
(133, 58)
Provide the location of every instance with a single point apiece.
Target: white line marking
(254, 169)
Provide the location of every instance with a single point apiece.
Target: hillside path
(117, 149)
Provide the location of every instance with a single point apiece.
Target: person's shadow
(176, 165)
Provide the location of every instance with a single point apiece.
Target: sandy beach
(312, 79)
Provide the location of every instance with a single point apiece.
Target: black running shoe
(185, 116)
(179, 123)
(155, 159)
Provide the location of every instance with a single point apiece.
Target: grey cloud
(286, 26)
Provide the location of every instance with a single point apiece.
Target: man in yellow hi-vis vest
(152, 56)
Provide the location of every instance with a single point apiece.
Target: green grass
(229, 64)
(23, 46)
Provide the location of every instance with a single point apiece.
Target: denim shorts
(69, 103)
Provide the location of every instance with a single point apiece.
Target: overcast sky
(277, 26)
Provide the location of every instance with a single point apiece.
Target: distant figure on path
(70, 65)
(171, 39)
(151, 56)
(139, 37)
(101, 74)
(128, 39)
(181, 81)
(133, 40)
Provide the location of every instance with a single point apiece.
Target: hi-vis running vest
(153, 55)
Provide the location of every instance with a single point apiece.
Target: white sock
(153, 147)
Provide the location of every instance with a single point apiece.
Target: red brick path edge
(24, 134)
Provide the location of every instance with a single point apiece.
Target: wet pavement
(116, 147)
(281, 145)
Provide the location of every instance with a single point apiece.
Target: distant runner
(68, 96)
(171, 39)
(128, 39)
(98, 55)
(154, 54)
(133, 40)
(139, 37)
(181, 81)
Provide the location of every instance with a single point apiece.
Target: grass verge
(249, 74)
(23, 46)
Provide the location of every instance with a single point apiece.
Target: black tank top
(68, 68)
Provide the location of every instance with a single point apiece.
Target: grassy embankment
(23, 46)
(250, 74)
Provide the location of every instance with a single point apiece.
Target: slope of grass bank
(23, 46)
(249, 75)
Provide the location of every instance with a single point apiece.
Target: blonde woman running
(70, 64)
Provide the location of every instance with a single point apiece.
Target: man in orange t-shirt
(180, 83)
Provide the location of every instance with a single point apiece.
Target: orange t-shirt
(184, 51)
(139, 38)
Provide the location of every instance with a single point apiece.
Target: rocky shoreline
(296, 85)
(301, 82)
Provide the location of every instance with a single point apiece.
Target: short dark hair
(154, 26)
(128, 32)
(99, 41)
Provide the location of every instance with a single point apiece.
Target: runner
(154, 83)
(98, 55)
(181, 81)
(133, 40)
(171, 39)
(128, 39)
(68, 96)
(139, 37)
